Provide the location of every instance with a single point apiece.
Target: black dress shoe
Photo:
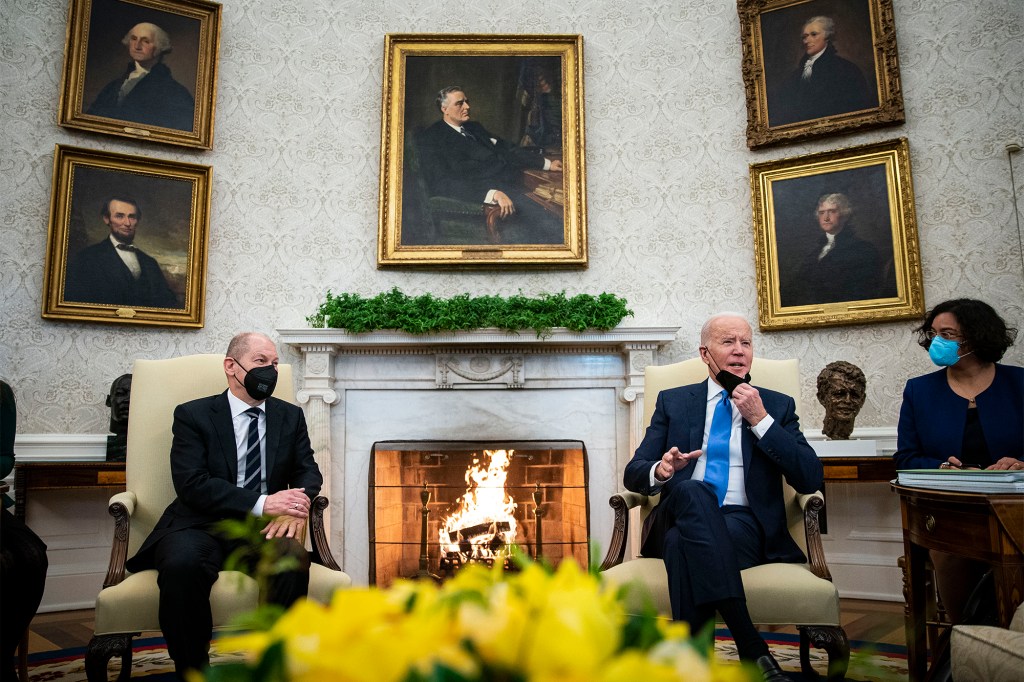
(770, 669)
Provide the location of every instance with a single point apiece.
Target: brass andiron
(424, 571)
(538, 513)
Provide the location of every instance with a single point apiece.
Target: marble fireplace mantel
(358, 388)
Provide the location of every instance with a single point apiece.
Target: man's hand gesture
(672, 461)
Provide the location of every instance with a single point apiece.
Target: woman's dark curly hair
(983, 331)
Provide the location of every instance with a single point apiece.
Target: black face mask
(730, 381)
(259, 381)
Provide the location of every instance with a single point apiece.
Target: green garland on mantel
(428, 314)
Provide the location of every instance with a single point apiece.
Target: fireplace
(358, 389)
(435, 506)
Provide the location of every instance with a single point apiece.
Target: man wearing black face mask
(717, 452)
(234, 454)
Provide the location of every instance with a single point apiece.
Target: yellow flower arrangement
(535, 625)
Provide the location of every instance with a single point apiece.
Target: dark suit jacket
(98, 275)
(678, 421)
(851, 271)
(836, 86)
(204, 466)
(932, 419)
(466, 169)
(156, 100)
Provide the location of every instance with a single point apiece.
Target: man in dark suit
(722, 511)
(823, 84)
(462, 160)
(235, 454)
(839, 266)
(147, 93)
(115, 271)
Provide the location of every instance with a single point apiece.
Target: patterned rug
(869, 662)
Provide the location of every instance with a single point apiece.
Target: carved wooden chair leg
(836, 645)
(805, 657)
(104, 647)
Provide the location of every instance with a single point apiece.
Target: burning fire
(484, 521)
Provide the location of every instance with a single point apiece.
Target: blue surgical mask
(944, 352)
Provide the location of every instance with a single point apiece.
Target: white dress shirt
(128, 257)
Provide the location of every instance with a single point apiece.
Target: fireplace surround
(487, 385)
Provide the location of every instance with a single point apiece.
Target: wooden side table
(973, 525)
(862, 469)
(63, 476)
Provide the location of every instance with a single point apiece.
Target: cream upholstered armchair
(127, 605)
(777, 594)
(982, 653)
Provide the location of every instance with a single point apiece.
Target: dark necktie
(716, 468)
(126, 247)
(467, 134)
(252, 453)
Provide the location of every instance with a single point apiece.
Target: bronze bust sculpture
(842, 389)
(118, 401)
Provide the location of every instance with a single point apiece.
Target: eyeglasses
(946, 334)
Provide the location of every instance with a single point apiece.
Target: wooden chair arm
(321, 548)
(121, 507)
(621, 502)
(812, 505)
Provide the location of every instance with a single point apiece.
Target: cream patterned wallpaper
(296, 178)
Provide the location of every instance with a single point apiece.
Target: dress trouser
(704, 547)
(23, 564)
(531, 223)
(188, 562)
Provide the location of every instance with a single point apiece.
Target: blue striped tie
(716, 468)
(253, 479)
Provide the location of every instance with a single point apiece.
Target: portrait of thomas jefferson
(834, 246)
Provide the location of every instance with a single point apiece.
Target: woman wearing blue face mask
(967, 415)
(970, 413)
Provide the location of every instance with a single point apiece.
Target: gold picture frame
(175, 48)
(852, 82)
(835, 238)
(159, 209)
(435, 182)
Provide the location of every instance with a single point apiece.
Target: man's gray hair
(705, 330)
(839, 199)
(160, 37)
(443, 93)
(242, 342)
(826, 23)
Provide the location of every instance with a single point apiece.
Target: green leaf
(426, 314)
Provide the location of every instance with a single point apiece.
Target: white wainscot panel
(864, 540)
(78, 534)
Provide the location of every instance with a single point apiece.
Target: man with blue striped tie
(717, 452)
(237, 453)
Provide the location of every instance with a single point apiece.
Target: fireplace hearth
(436, 506)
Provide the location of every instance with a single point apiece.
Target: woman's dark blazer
(932, 419)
